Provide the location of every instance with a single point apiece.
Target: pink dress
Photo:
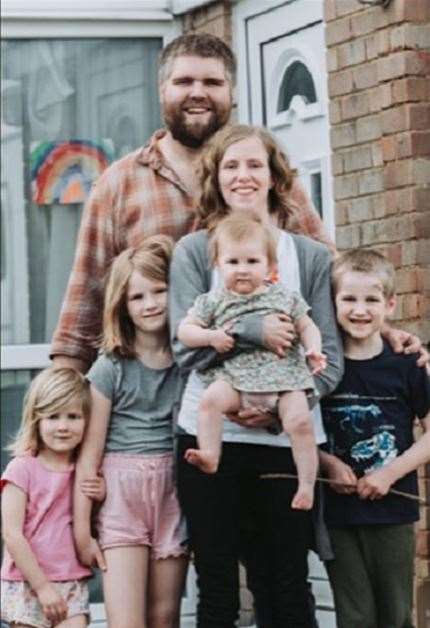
(48, 520)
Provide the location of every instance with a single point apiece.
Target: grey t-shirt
(143, 400)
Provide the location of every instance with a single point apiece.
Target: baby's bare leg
(218, 399)
(297, 423)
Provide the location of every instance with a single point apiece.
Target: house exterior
(343, 84)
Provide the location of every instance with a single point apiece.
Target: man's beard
(194, 135)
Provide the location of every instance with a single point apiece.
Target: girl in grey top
(233, 513)
(134, 388)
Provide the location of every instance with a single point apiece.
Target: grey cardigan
(190, 275)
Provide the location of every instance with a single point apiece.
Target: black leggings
(233, 514)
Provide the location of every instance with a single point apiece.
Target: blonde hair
(151, 259)
(49, 392)
(367, 261)
(211, 207)
(239, 227)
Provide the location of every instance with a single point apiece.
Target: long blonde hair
(151, 259)
(211, 207)
(50, 391)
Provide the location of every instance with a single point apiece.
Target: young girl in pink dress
(43, 583)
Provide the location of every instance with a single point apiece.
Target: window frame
(109, 19)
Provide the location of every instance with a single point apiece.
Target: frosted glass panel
(69, 107)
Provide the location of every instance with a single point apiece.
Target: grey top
(143, 401)
(190, 276)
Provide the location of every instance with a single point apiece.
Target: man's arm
(404, 342)
(71, 363)
(79, 327)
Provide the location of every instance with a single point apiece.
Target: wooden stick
(394, 491)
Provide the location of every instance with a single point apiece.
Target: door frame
(250, 71)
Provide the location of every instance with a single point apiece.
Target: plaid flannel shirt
(136, 197)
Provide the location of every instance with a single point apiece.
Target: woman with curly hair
(243, 169)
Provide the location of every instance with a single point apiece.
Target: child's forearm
(194, 336)
(326, 460)
(412, 458)
(82, 505)
(24, 558)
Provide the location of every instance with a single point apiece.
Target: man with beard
(153, 189)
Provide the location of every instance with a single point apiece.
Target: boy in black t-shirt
(369, 421)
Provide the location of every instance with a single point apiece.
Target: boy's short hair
(199, 45)
(242, 226)
(367, 261)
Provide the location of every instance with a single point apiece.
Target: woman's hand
(278, 333)
(403, 342)
(94, 488)
(252, 417)
(53, 604)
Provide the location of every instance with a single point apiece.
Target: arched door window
(297, 81)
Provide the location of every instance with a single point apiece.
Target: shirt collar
(150, 155)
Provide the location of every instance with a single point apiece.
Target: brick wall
(378, 78)
(214, 18)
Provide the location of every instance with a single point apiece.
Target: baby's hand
(317, 361)
(375, 485)
(94, 488)
(53, 604)
(220, 340)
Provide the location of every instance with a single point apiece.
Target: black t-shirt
(369, 421)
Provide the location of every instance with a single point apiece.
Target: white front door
(283, 86)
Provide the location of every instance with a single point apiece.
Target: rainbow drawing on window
(64, 171)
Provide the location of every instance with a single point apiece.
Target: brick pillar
(378, 64)
(214, 18)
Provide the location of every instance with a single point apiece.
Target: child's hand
(317, 361)
(375, 485)
(220, 340)
(53, 604)
(343, 478)
(90, 554)
(94, 488)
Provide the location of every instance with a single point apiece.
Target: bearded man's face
(196, 99)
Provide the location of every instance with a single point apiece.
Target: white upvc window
(72, 71)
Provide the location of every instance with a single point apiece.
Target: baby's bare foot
(304, 498)
(205, 460)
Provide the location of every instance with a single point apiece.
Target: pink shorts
(141, 507)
